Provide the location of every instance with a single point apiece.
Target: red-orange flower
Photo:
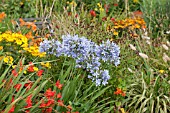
(59, 86)
(60, 103)
(13, 107)
(17, 86)
(40, 72)
(49, 93)
(31, 67)
(29, 102)
(115, 5)
(59, 95)
(28, 85)
(14, 72)
(119, 92)
(93, 13)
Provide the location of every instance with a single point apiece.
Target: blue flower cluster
(87, 54)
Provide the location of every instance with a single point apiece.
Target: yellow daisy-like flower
(35, 68)
(161, 71)
(115, 33)
(19, 42)
(48, 65)
(8, 59)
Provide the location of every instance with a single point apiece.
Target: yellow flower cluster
(73, 3)
(8, 59)
(100, 8)
(22, 41)
(48, 65)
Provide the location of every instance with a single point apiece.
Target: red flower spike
(59, 86)
(93, 13)
(49, 93)
(59, 95)
(14, 72)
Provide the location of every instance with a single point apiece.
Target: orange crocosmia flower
(28, 85)
(49, 110)
(69, 107)
(49, 93)
(123, 94)
(22, 22)
(31, 67)
(59, 86)
(60, 103)
(119, 92)
(17, 86)
(29, 102)
(13, 22)
(13, 107)
(59, 95)
(29, 35)
(40, 72)
(50, 102)
(34, 27)
(42, 105)
(14, 72)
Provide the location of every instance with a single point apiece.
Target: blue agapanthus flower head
(87, 54)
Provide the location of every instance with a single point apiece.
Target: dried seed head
(165, 47)
(165, 58)
(168, 43)
(145, 37)
(148, 42)
(132, 47)
(143, 55)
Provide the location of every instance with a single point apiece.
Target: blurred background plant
(157, 16)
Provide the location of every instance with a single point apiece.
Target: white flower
(165, 47)
(132, 47)
(165, 57)
(143, 55)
